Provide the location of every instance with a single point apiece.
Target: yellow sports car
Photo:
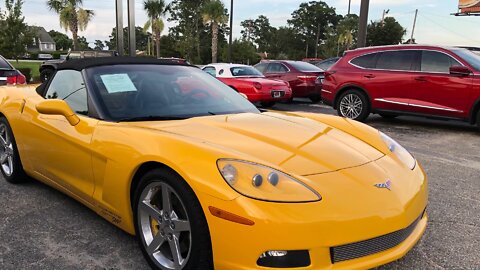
(203, 178)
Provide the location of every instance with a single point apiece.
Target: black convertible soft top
(81, 64)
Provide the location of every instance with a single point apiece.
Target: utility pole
(414, 24)
(231, 33)
(349, 5)
(132, 41)
(119, 11)
(362, 27)
(385, 12)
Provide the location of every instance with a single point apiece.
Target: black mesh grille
(371, 246)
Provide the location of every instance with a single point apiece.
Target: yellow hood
(295, 144)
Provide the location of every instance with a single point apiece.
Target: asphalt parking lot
(41, 228)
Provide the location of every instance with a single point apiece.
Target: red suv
(304, 78)
(405, 79)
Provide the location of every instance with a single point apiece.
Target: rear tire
(478, 120)
(353, 104)
(10, 163)
(46, 74)
(388, 115)
(315, 98)
(268, 104)
(183, 231)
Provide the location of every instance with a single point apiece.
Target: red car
(304, 78)
(247, 80)
(405, 79)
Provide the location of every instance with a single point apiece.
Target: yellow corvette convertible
(203, 178)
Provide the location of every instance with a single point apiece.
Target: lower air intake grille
(371, 246)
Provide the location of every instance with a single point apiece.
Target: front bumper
(319, 226)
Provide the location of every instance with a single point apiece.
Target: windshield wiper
(151, 118)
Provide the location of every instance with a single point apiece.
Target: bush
(34, 56)
(56, 55)
(27, 72)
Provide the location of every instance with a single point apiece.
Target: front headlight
(264, 183)
(401, 153)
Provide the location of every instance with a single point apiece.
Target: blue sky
(435, 25)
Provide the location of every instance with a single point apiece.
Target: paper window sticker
(118, 83)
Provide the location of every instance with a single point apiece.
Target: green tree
(72, 17)
(311, 20)
(189, 27)
(62, 41)
(214, 14)
(99, 46)
(155, 9)
(15, 35)
(390, 32)
(260, 32)
(83, 44)
(140, 36)
(243, 52)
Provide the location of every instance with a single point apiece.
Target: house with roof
(42, 41)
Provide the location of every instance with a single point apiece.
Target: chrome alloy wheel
(351, 106)
(165, 226)
(6, 151)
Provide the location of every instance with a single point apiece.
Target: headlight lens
(264, 183)
(401, 153)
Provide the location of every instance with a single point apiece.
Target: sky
(435, 25)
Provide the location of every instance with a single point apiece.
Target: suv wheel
(478, 119)
(353, 104)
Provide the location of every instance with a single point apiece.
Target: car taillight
(257, 85)
(307, 78)
(16, 79)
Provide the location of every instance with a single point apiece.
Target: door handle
(421, 79)
(369, 76)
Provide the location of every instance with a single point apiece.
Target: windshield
(470, 57)
(245, 71)
(162, 92)
(305, 67)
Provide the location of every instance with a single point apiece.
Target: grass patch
(34, 66)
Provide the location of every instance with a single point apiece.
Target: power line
(448, 30)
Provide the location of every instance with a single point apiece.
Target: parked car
(304, 78)
(406, 79)
(9, 75)
(475, 50)
(196, 178)
(327, 63)
(48, 67)
(45, 56)
(312, 61)
(252, 83)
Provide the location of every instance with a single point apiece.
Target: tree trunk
(214, 42)
(317, 41)
(74, 30)
(157, 41)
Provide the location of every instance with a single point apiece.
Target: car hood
(293, 144)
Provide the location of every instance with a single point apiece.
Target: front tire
(353, 104)
(170, 225)
(10, 163)
(267, 104)
(315, 98)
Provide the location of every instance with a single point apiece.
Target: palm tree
(72, 16)
(213, 14)
(155, 9)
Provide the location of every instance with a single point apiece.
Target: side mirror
(58, 107)
(460, 71)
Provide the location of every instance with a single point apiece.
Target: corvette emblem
(386, 185)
